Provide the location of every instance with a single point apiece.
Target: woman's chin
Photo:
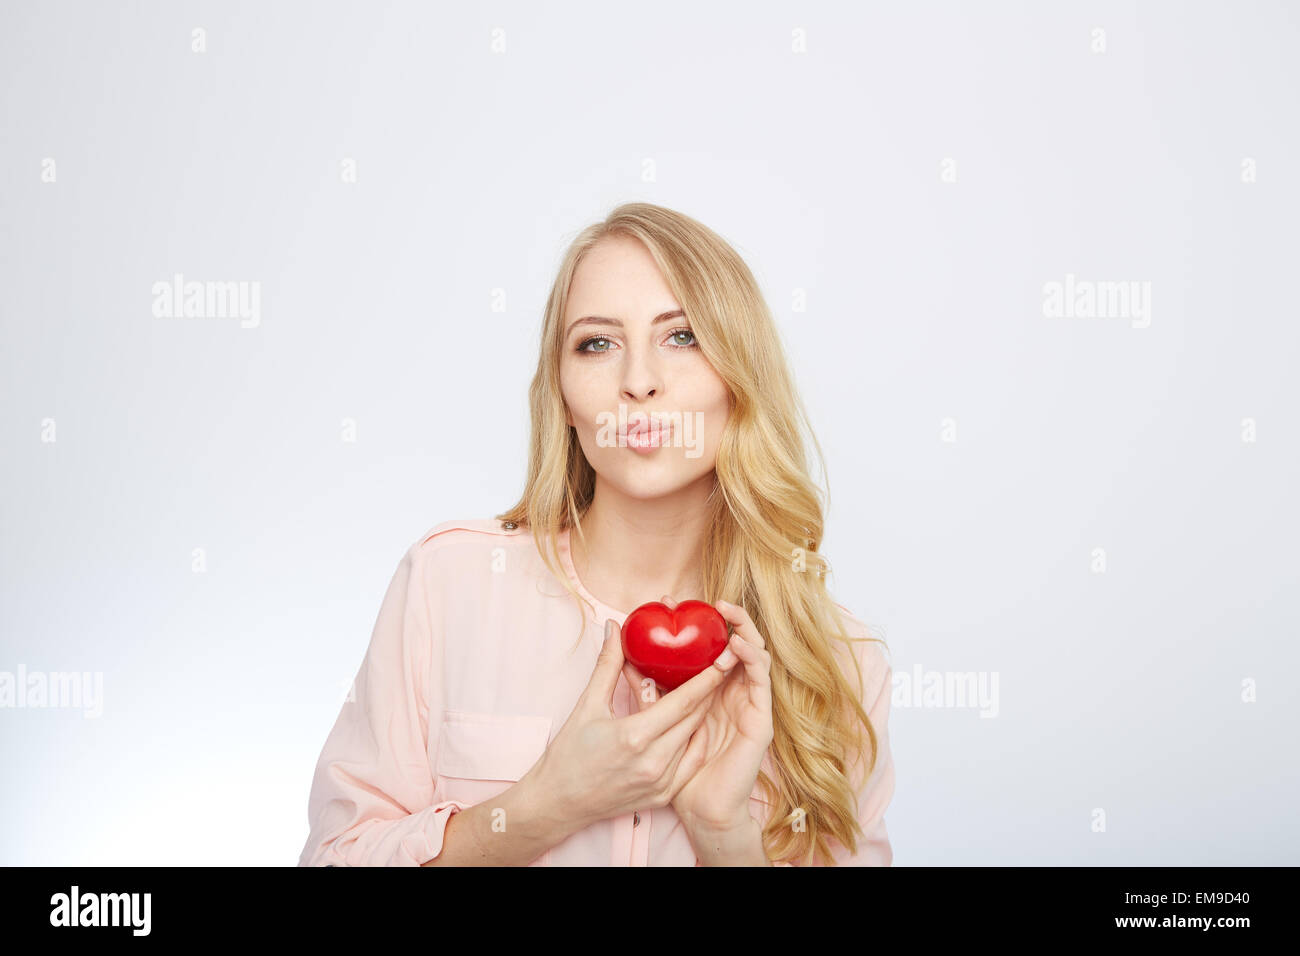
(647, 483)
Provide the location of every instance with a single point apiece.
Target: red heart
(671, 646)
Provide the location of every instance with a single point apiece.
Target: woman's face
(629, 363)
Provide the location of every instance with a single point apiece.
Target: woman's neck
(638, 551)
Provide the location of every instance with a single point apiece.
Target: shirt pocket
(481, 755)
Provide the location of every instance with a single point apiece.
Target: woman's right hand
(601, 766)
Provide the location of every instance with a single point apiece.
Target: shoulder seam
(489, 526)
(864, 649)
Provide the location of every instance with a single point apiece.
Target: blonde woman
(494, 719)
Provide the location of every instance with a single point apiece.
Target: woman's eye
(673, 337)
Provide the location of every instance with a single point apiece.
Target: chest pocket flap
(483, 746)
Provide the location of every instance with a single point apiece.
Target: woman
(665, 438)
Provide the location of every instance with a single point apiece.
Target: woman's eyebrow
(601, 320)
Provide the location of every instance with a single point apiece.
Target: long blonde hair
(764, 528)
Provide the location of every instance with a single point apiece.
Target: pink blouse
(467, 677)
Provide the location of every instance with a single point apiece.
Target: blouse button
(636, 819)
(510, 526)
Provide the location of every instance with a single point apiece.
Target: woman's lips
(648, 438)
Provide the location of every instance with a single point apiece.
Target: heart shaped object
(672, 645)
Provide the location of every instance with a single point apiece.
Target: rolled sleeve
(371, 800)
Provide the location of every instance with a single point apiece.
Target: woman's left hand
(734, 735)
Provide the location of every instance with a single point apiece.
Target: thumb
(604, 678)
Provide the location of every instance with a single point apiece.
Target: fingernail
(609, 628)
(726, 659)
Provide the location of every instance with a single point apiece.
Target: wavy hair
(766, 519)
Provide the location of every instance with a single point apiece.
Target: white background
(1120, 691)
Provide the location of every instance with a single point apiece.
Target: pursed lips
(643, 427)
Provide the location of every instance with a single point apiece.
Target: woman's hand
(600, 766)
(737, 729)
